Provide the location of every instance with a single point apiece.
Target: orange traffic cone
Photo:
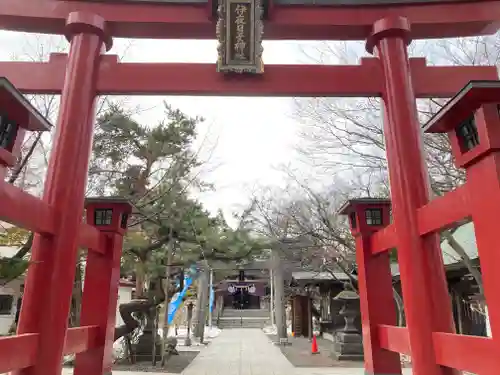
(314, 346)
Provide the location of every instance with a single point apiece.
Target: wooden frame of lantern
(108, 214)
(367, 214)
(471, 119)
(17, 115)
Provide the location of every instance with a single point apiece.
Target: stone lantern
(17, 116)
(348, 344)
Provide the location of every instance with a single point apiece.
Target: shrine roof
(253, 265)
(114, 199)
(361, 2)
(465, 236)
(349, 205)
(319, 276)
(294, 2)
(126, 283)
(19, 109)
(463, 105)
(111, 199)
(291, 19)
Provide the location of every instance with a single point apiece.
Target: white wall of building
(124, 296)
(6, 319)
(13, 288)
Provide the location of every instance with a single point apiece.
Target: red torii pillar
(53, 257)
(423, 280)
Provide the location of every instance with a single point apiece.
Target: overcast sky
(251, 135)
(246, 138)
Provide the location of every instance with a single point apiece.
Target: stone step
(246, 313)
(243, 318)
(245, 324)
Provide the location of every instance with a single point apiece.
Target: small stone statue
(170, 346)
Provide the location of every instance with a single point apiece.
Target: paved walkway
(247, 352)
(250, 352)
(239, 352)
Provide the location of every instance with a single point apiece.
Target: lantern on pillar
(471, 119)
(108, 214)
(17, 115)
(367, 214)
(239, 33)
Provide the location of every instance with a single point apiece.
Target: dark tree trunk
(147, 308)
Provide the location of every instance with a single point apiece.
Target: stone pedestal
(283, 342)
(144, 347)
(348, 343)
(143, 350)
(348, 347)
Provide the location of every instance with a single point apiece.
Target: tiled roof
(465, 236)
(312, 275)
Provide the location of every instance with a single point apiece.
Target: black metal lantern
(8, 132)
(373, 216)
(124, 221)
(467, 135)
(181, 280)
(103, 217)
(352, 219)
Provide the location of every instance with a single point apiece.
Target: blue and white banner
(176, 300)
(211, 300)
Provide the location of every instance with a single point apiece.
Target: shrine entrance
(241, 299)
(244, 289)
(387, 26)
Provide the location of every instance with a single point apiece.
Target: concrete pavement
(250, 352)
(247, 352)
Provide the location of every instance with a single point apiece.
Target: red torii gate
(43, 336)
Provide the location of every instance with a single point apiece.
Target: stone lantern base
(348, 346)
